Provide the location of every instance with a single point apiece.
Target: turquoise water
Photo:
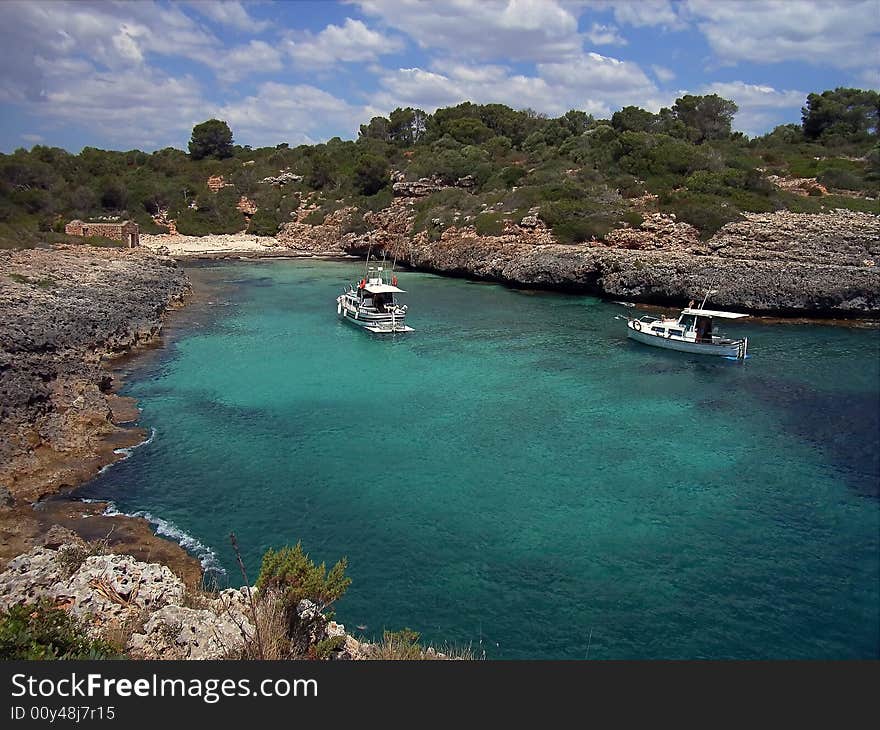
(517, 475)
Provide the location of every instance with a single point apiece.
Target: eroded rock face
(177, 632)
(30, 577)
(62, 311)
(108, 593)
(114, 587)
(327, 239)
(778, 262)
(841, 238)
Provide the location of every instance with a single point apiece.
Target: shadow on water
(842, 426)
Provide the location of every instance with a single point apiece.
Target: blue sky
(140, 74)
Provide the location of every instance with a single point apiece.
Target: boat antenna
(710, 291)
(367, 264)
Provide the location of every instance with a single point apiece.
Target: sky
(139, 74)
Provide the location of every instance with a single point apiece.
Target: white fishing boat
(692, 331)
(372, 304)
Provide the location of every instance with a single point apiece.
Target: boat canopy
(383, 289)
(713, 313)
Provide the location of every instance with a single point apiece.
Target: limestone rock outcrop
(63, 311)
(783, 262)
(118, 596)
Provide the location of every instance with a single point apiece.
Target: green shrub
(41, 631)
(371, 174)
(264, 222)
(707, 213)
(489, 224)
(98, 241)
(580, 230)
(842, 179)
(291, 573)
(325, 647)
(47, 283)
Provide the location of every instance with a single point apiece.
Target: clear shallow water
(516, 472)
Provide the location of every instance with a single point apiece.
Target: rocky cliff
(63, 313)
(149, 613)
(782, 262)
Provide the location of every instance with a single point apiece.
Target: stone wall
(124, 231)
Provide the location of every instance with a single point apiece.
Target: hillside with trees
(585, 176)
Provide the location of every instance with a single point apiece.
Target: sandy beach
(180, 246)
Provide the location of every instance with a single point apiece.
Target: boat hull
(736, 349)
(381, 324)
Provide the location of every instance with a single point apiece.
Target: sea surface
(516, 476)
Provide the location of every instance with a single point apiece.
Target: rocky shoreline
(788, 264)
(148, 612)
(66, 313)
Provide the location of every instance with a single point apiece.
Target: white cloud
(114, 36)
(33, 138)
(484, 29)
(642, 13)
(132, 108)
(591, 82)
(230, 13)
(293, 113)
(350, 42)
(618, 82)
(240, 62)
(821, 32)
(605, 35)
(663, 73)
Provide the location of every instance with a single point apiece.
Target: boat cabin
(374, 293)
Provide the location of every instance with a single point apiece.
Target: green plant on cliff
(295, 576)
(289, 577)
(42, 631)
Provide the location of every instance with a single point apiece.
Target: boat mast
(710, 291)
(367, 264)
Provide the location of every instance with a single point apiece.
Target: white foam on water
(127, 451)
(205, 554)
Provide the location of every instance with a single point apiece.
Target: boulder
(30, 577)
(177, 632)
(115, 587)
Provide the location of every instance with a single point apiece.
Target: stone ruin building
(123, 231)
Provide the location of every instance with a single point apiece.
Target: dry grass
(271, 624)
(119, 633)
(71, 557)
(404, 646)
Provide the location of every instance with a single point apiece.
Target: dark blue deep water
(517, 475)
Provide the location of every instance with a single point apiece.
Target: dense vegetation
(585, 174)
(42, 631)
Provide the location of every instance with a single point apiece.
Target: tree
(211, 139)
(407, 126)
(114, 196)
(633, 119)
(370, 174)
(576, 121)
(706, 117)
(848, 113)
(378, 128)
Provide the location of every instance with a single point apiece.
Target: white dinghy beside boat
(692, 331)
